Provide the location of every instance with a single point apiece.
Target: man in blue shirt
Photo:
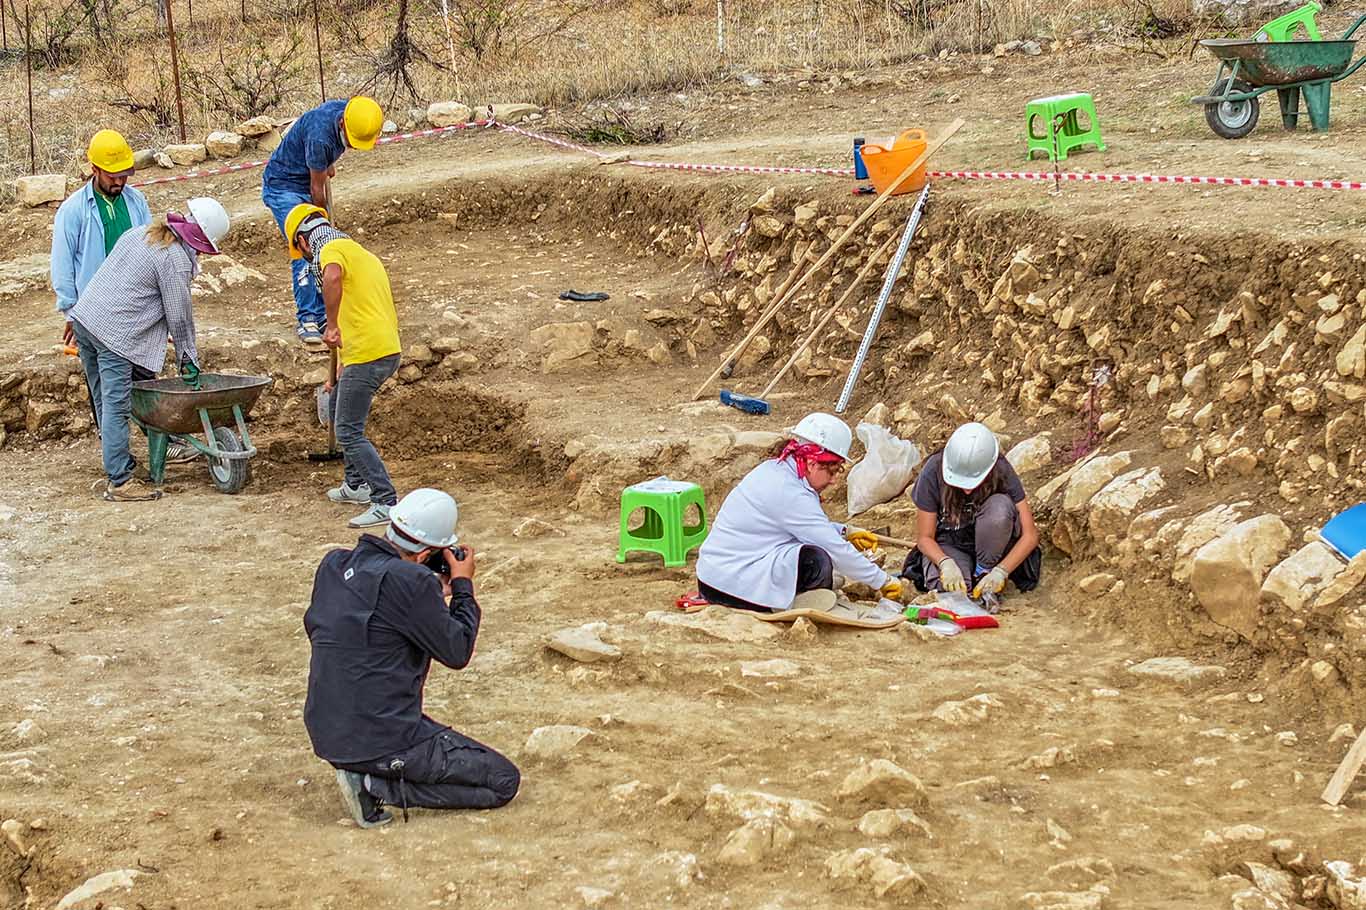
(300, 170)
(93, 218)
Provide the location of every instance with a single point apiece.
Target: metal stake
(175, 70)
(1058, 121)
(318, 41)
(28, 68)
(887, 283)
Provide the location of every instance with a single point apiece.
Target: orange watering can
(886, 164)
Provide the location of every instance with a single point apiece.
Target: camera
(437, 561)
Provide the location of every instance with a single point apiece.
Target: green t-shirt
(114, 216)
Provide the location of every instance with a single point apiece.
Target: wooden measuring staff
(839, 304)
(829, 254)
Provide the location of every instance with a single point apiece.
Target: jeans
(448, 771)
(351, 401)
(815, 570)
(110, 378)
(308, 299)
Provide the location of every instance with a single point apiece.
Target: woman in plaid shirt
(140, 295)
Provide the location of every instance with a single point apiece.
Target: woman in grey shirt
(140, 295)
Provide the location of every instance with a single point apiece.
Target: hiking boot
(377, 514)
(347, 493)
(134, 489)
(179, 453)
(310, 335)
(368, 811)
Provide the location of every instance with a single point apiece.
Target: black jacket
(375, 624)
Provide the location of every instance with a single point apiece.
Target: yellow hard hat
(110, 153)
(295, 218)
(363, 121)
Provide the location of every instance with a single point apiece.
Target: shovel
(325, 408)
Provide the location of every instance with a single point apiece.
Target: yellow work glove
(862, 540)
(994, 582)
(951, 577)
(892, 589)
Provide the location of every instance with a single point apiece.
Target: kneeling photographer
(380, 613)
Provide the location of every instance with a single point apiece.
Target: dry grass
(550, 52)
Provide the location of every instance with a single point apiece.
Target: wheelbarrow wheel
(230, 475)
(1232, 119)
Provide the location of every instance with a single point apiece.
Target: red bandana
(803, 452)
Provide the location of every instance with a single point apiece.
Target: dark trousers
(984, 544)
(351, 400)
(814, 571)
(448, 771)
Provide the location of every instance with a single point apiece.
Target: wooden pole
(189, 4)
(1347, 771)
(886, 194)
(721, 27)
(318, 42)
(175, 70)
(839, 304)
(4, 26)
(28, 70)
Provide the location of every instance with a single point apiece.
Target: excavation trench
(531, 407)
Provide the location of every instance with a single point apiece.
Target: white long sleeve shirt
(751, 551)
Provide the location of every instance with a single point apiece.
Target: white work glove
(994, 582)
(951, 577)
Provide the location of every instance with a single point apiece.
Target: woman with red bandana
(771, 541)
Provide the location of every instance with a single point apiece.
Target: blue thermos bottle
(860, 172)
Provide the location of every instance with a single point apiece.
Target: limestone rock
(748, 805)
(1351, 360)
(593, 897)
(1270, 880)
(1344, 583)
(768, 226)
(105, 881)
(409, 372)
(1114, 507)
(884, 783)
(1228, 572)
(187, 154)
(769, 669)
(1031, 455)
(1180, 670)
(40, 189)
(530, 528)
(144, 158)
(555, 741)
(1097, 584)
(1346, 887)
(968, 711)
(515, 113)
(884, 823)
(1256, 899)
(268, 142)
(718, 622)
(1088, 479)
(222, 144)
(40, 417)
(886, 876)
(1301, 576)
(765, 203)
(1238, 12)
(756, 440)
(164, 161)
(256, 126)
(447, 113)
(1201, 529)
(749, 844)
(584, 643)
(1064, 900)
(565, 345)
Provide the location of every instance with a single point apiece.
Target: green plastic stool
(1071, 135)
(665, 502)
(1285, 27)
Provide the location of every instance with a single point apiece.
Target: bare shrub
(258, 79)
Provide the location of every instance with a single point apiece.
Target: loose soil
(159, 650)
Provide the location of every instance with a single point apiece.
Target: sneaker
(377, 514)
(364, 808)
(347, 493)
(134, 489)
(179, 453)
(310, 334)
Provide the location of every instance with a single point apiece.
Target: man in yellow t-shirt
(362, 326)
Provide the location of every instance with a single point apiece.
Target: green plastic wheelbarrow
(168, 410)
(1249, 68)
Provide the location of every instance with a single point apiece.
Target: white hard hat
(969, 456)
(211, 217)
(826, 431)
(424, 518)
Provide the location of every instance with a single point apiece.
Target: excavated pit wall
(1219, 383)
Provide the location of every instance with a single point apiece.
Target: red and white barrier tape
(249, 165)
(552, 140)
(745, 168)
(1082, 177)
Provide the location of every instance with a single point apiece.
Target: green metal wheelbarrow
(168, 409)
(1250, 68)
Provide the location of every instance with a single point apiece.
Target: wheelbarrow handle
(1355, 25)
